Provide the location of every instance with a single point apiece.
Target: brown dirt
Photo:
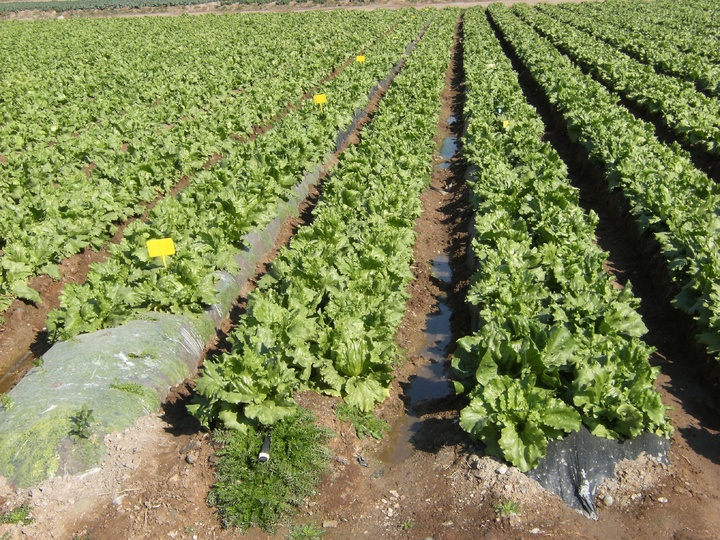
(157, 474)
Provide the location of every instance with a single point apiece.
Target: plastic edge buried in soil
(102, 382)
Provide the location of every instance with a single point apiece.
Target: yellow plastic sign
(319, 99)
(505, 124)
(360, 58)
(161, 248)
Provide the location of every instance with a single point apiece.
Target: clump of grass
(249, 493)
(365, 423)
(507, 508)
(306, 531)
(129, 387)
(20, 514)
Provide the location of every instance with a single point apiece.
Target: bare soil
(156, 476)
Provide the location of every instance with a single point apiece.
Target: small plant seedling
(405, 525)
(364, 423)
(81, 422)
(507, 508)
(21, 514)
(306, 531)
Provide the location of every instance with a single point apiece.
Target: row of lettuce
(632, 33)
(557, 344)
(209, 219)
(683, 27)
(693, 116)
(99, 116)
(669, 197)
(326, 314)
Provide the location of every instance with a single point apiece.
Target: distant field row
(71, 5)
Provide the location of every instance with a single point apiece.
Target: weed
(21, 514)
(6, 402)
(306, 531)
(249, 493)
(129, 387)
(405, 525)
(364, 423)
(81, 422)
(507, 508)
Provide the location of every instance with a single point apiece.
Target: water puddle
(447, 151)
(448, 148)
(431, 381)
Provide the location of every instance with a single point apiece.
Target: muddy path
(427, 479)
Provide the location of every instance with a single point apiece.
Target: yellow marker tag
(161, 248)
(505, 124)
(360, 59)
(319, 99)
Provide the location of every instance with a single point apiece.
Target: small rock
(515, 521)
(662, 500)
(609, 500)
(502, 469)
(390, 512)
(342, 460)
(444, 460)
(189, 447)
(394, 494)
(330, 524)
(535, 531)
(191, 457)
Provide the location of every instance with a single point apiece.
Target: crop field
(293, 168)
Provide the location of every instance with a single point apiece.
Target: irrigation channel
(426, 479)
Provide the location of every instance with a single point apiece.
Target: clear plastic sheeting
(92, 385)
(575, 467)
